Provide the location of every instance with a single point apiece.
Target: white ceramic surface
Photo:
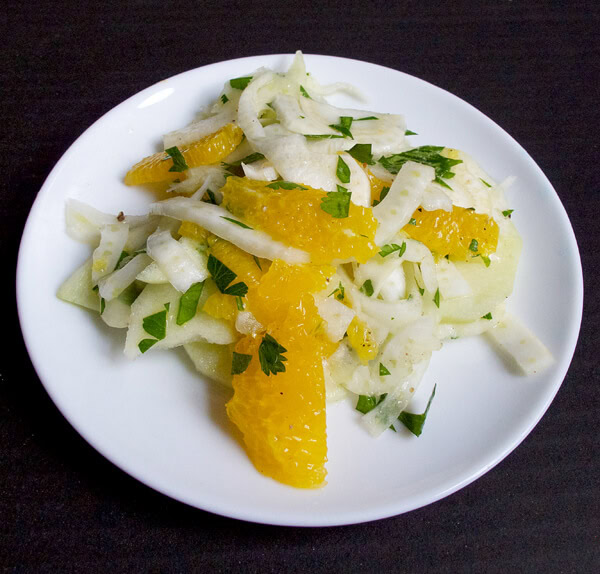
(159, 422)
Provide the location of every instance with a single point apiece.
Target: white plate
(157, 421)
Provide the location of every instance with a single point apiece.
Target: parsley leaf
(384, 191)
(322, 136)
(362, 153)
(288, 185)
(487, 316)
(412, 221)
(485, 182)
(211, 197)
(156, 324)
(367, 288)
(343, 171)
(188, 303)
(383, 371)
(236, 222)
(240, 83)
(391, 247)
(410, 133)
(248, 159)
(239, 363)
(344, 127)
(179, 163)
(474, 245)
(145, 344)
(507, 213)
(257, 261)
(340, 292)
(366, 403)
(304, 93)
(224, 99)
(270, 355)
(427, 155)
(365, 119)
(337, 203)
(436, 298)
(413, 422)
(223, 276)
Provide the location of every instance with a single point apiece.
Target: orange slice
(294, 217)
(282, 416)
(210, 149)
(461, 233)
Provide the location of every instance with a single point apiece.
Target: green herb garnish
(343, 127)
(474, 245)
(362, 153)
(248, 159)
(485, 182)
(414, 422)
(367, 288)
(188, 303)
(410, 133)
(240, 83)
(236, 222)
(343, 171)
(256, 260)
(223, 276)
(322, 136)
(288, 185)
(337, 203)
(179, 163)
(384, 191)
(389, 248)
(211, 197)
(507, 213)
(365, 119)
(239, 363)
(145, 344)
(156, 324)
(366, 403)
(341, 292)
(304, 93)
(426, 155)
(487, 316)
(270, 355)
(383, 371)
(224, 99)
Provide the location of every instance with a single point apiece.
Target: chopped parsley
(102, 305)
(415, 422)
(343, 171)
(239, 363)
(248, 159)
(211, 197)
(410, 133)
(412, 221)
(224, 99)
(344, 127)
(179, 163)
(304, 93)
(474, 245)
(383, 371)
(367, 288)
(487, 316)
(145, 344)
(426, 155)
(188, 303)
(270, 355)
(365, 119)
(384, 191)
(257, 261)
(156, 324)
(322, 136)
(223, 276)
(436, 298)
(362, 153)
(236, 222)
(366, 403)
(507, 213)
(240, 83)
(485, 182)
(288, 185)
(389, 248)
(341, 292)
(337, 203)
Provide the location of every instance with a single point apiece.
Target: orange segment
(193, 231)
(239, 261)
(362, 340)
(221, 306)
(460, 233)
(295, 218)
(210, 149)
(282, 416)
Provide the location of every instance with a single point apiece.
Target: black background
(530, 66)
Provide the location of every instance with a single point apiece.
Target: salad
(305, 253)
